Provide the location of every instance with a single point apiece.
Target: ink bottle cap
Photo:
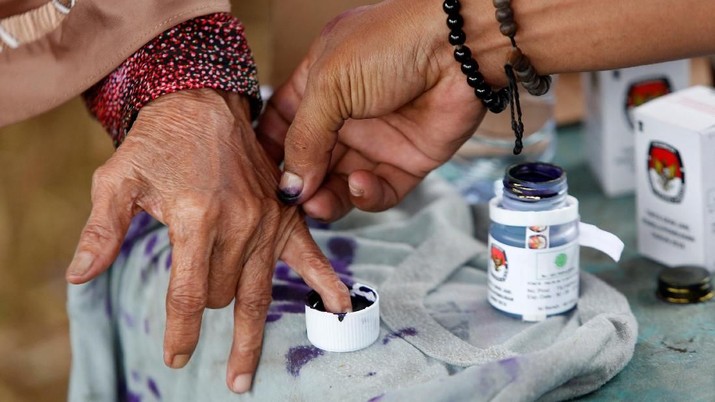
(344, 332)
(684, 285)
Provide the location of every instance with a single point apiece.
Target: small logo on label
(561, 260)
(499, 265)
(666, 173)
(643, 91)
(537, 242)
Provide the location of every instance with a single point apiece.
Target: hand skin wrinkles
(193, 162)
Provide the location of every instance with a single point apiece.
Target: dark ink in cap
(360, 298)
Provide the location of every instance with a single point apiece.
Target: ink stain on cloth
(299, 356)
(402, 333)
(153, 388)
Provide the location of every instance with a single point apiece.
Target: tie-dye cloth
(440, 339)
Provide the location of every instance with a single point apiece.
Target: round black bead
(475, 80)
(483, 92)
(502, 101)
(470, 67)
(462, 54)
(457, 37)
(451, 7)
(455, 22)
(497, 107)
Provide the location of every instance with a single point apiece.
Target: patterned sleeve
(205, 52)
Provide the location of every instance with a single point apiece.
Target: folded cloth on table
(440, 339)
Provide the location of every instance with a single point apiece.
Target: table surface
(674, 359)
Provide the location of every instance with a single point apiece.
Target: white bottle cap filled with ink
(344, 332)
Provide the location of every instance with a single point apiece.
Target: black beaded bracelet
(495, 101)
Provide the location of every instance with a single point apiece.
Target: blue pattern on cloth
(439, 340)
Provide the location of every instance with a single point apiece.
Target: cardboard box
(610, 99)
(675, 193)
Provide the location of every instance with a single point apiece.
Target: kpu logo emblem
(499, 265)
(666, 172)
(643, 91)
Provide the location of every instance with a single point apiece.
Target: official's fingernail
(180, 361)
(356, 192)
(242, 383)
(290, 187)
(81, 263)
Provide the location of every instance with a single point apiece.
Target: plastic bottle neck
(534, 186)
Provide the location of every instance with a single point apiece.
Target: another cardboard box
(675, 193)
(610, 99)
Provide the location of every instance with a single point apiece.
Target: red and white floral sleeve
(205, 52)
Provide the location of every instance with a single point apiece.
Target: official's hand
(192, 161)
(377, 104)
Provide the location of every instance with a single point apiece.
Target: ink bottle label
(534, 281)
(534, 240)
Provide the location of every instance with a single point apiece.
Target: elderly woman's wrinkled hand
(192, 161)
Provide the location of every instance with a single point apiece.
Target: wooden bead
(542, 88)
(504, 15)
(531, 85)
(518, 60)
(502, 3)
(508, 28)
(527, 75)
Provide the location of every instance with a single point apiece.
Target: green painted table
(674, 358)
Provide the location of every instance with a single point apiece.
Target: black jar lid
(685, 284)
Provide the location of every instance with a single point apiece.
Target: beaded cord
(523, 70)
(496, 102)
(518, 67)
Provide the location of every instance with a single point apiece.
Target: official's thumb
(309, 143)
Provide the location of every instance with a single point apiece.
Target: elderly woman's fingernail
(179, 361)
(290, 187)
(81, 263)
(242, 383)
